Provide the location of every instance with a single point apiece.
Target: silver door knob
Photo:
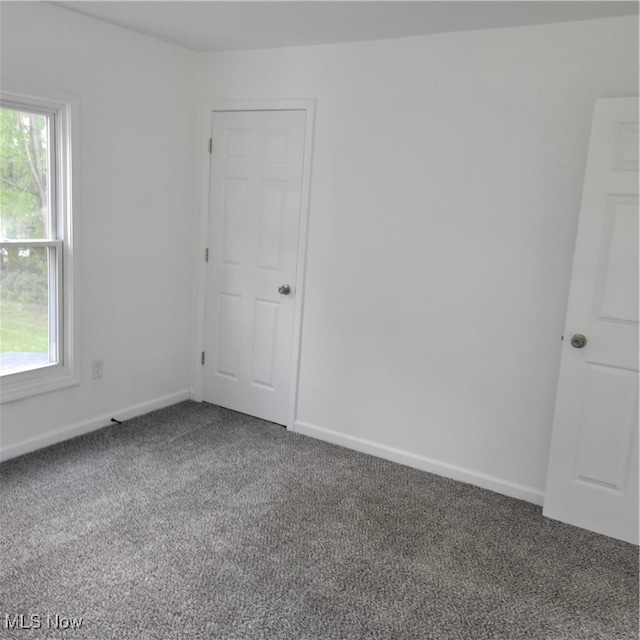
(284, 289)
(578, 341)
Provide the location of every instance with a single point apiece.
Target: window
(36, 247)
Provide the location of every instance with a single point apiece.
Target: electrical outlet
(97, 367)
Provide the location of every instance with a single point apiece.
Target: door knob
(578, 340)
(284, 289)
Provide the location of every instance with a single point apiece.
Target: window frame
(63, 238)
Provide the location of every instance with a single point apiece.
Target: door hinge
(202, 358)
(206, 254)
(210, 145)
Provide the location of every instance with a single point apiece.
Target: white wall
(136, 214)
(447, 175)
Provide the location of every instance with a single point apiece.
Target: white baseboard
(86, 426)
(504, 487)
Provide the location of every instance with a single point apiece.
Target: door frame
(207, 111)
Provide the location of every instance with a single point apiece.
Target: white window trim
(67, 371)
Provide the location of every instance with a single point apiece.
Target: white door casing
(256, 189)
(592, 479)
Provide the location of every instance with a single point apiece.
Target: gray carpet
(197, 522)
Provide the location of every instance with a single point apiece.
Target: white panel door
(254, 222)
(592, 479)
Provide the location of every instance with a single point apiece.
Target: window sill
(18, 386)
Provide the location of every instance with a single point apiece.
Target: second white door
(254, 221)
(592, 480)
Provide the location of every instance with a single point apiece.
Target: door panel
(255, 201)
(265, 342)
(619, 292)
(229, 340)
(272, 200)
(234, 207)
(592, 479)
(603, 454)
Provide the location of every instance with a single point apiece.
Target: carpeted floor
(197, 522)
